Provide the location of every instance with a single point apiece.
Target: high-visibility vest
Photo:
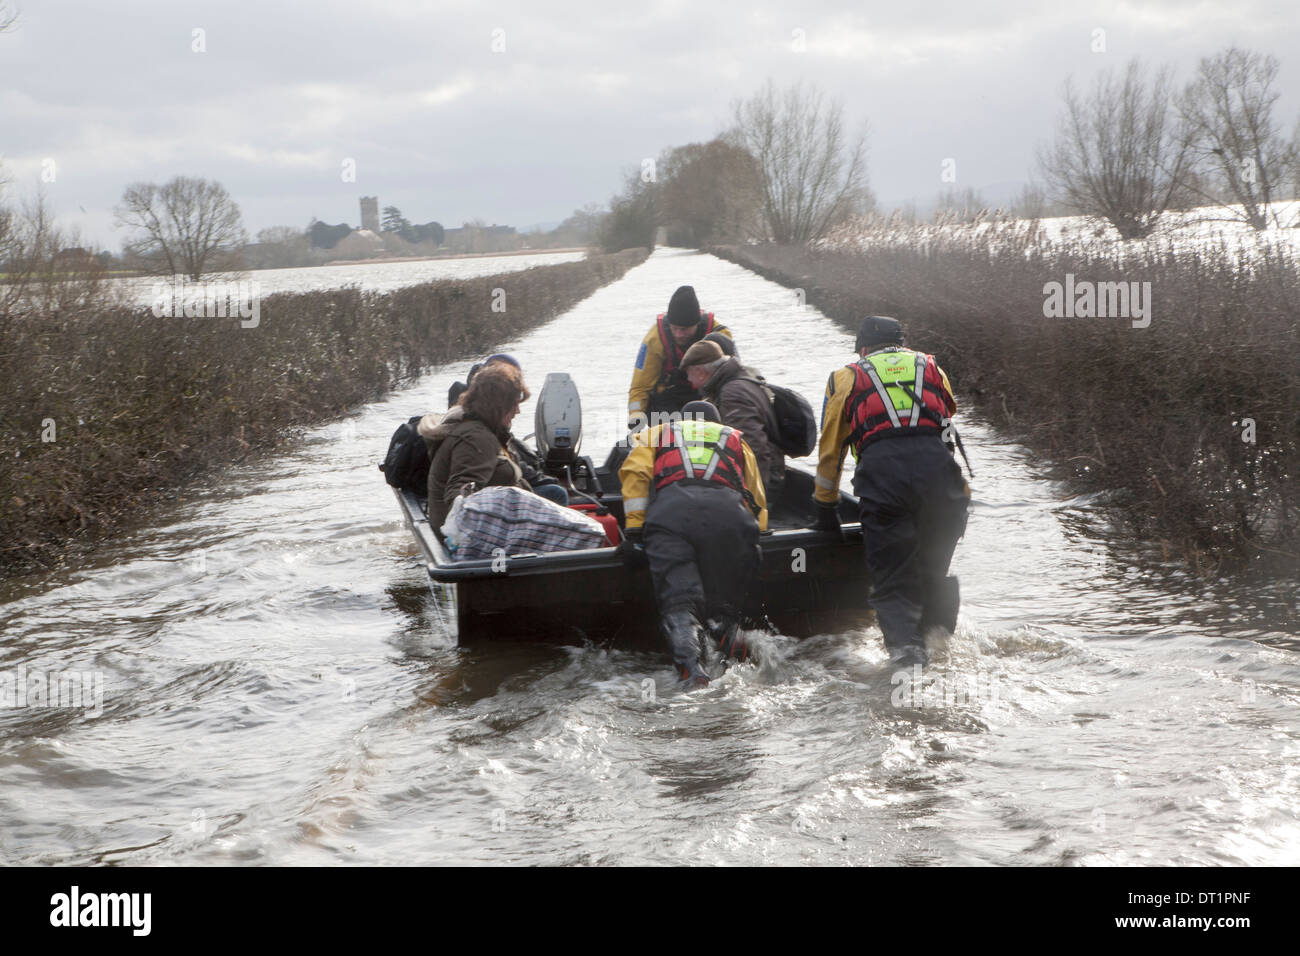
(673, 355)
(699, 452)
(879, 407)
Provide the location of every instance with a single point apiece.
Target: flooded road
(280, 687)
(374, 276)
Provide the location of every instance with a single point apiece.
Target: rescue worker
(738, 394)
(891, 408)
(694, 506)
(658, 385)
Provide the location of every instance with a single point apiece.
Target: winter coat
(747, 406)
(463, 451)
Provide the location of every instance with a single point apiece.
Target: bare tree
(1030, 203)
(186, 226)
(1117, 154)
(814, 174)
(46, 268)
(961, 205)
(1227, 111)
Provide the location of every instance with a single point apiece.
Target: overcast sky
(444, 127)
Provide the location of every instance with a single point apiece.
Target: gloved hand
(632, 549)
(828, 519)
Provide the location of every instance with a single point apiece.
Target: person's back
(695, 502)
(892, 408)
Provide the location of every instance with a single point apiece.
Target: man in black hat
(658, 385)
(891, 408)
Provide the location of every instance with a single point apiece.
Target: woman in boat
(474, 447)
(434, 424)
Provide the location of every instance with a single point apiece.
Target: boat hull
(810, 582)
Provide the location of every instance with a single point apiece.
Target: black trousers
(702, 545)
(913, 505)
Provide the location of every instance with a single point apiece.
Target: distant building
(370, 213)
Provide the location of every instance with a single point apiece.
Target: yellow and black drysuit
(658, 382)
(912, 498)
(693, 490)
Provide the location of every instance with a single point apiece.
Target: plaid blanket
(519, 522)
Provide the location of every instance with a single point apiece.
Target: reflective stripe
(635, 504)
(688, 466)
(918, 388)
(635, 406)
(717, 453)
(882, 392)
(821, 482)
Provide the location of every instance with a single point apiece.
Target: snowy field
(1203, 228)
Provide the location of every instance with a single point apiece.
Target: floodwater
(279, 686)
(379, 276)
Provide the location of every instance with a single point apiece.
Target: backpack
(796, 426)
(407, 463)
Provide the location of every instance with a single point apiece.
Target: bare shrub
(138, 404)
(1156, 414)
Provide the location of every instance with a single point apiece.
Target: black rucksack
(407, 463)
(796, 425)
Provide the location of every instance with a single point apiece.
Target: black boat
(810, 581)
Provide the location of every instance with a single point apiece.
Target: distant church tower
(370, 213)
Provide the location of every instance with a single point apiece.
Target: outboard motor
(558, 432)
(557, 425)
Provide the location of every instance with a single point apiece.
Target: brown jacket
(463, 451)
(746, 406)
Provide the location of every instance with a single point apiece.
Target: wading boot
(682, 632)
(726, 631)
(905, 656)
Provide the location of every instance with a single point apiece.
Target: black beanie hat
(878, 330)
(683, 307)
(701, 410)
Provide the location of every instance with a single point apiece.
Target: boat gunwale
(443, 569)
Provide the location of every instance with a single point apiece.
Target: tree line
(1128, 151)
(1134, 147)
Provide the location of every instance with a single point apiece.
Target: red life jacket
(878, 408)
(672, 354)
(724, 463)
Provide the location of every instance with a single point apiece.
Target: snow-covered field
(1202, 228)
